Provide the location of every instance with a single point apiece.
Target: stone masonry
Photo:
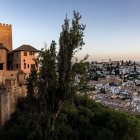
(15, 66)
(6, 35)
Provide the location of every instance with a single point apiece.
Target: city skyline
(112, 26)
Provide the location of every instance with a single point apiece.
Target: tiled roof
(26, 48)
(2, 47)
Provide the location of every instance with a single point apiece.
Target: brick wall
(3, 58)
(10, 76)
(6, 35)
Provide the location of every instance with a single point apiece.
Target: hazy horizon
(112, 26)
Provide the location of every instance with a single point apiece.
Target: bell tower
(6, 36)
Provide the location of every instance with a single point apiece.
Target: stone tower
(6, 36)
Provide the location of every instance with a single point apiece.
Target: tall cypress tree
(54, 80)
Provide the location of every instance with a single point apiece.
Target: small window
(25, 53)
(16, 65)
(1, 66)
(28, 65)
(24, 60)
(17, 54)
(24, 65)
(30, 53)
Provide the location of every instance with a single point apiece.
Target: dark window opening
(16, 65)
(17, 54)
(25, 53)
(28, 65)
(24, 65)
(1, 66)
(24, 60)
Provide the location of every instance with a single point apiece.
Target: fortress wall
(12, 85)
(6, 35)
(8, 100)
(3, 58)
(4, 106)
(8, 75)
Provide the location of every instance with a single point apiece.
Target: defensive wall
(6, 35)
(12, 88)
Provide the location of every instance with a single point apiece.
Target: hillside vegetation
(53, 110)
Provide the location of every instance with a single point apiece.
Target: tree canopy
(54, 110)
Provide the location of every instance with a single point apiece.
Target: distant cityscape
(116, 84)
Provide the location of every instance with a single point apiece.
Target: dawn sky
(112, 26)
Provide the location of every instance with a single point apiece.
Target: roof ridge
(26, 47)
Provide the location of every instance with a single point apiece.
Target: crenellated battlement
(6, 35)
(3, 25)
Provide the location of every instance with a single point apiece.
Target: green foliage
(70, 41)
(80, 76)
(89, 120)
(54, 84)
(32, 81)
(82, 119)
(53, 110)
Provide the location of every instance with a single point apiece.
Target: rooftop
(26, 48)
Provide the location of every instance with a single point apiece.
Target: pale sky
(113, 26)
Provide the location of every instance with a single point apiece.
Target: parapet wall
(6, 26)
